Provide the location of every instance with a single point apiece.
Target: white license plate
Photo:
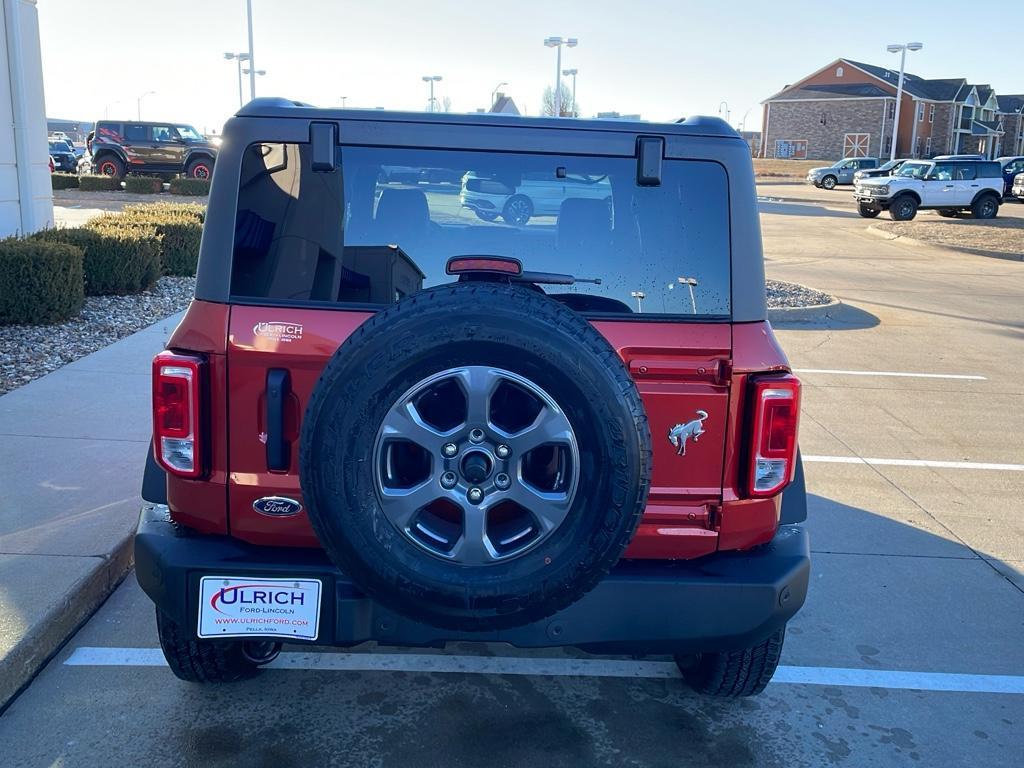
(244, 607)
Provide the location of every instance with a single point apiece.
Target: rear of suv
(387, 418)
(122, 147)
(946, 186)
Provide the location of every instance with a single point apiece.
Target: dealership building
(26, 199)
(848, 109)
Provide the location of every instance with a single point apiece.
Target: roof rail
(263, 102)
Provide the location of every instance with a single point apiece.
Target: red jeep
(388, 417)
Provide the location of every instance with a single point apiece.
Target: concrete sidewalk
(72, 450)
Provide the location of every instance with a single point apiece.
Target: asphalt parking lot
(908, 652)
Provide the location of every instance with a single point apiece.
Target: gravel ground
(788, 295)
(30, 351)
(1003, 236)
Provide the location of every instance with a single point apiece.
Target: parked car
(1011, 167)
(959, 157)
(63, 158)
(840, 172)
(120, 147)
(887, 169)
(948, 186)
(519, 198)
(420, 445)
(1017, 190)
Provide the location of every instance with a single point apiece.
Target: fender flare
(983, 192)
(195, 154)
(794, 497)
(905, 193)
(97, 156)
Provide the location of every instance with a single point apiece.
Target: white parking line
(509, 665)
(915, 463)
(900, 374)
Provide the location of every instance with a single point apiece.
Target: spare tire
(475, 457)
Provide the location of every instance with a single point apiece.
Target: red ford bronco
(390, 414)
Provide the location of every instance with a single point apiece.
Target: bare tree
(446, 104)
(547, 106)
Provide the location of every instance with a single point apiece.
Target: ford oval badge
(277, 506)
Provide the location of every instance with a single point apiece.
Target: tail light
(776, 409)
(177, 413)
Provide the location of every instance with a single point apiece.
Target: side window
(943, 172)
(164, 133)
(136, 133)
(1015, 167)
(966, 171)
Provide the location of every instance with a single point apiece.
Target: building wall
(1013, 136)
(796, 120)
(26, 197)
(942, 130)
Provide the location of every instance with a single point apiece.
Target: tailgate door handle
(279, 450)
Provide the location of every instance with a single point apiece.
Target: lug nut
(502, 481)
(475, 495)
(476, 435)
(449, 449)
(448, 480)
(502, 451)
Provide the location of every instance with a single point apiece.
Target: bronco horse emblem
(680, 433)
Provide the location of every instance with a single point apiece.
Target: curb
(815, 313)
(41, 641)
(877, 231)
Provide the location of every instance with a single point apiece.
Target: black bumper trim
(727, 600)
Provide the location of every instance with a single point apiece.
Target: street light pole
(138, 104)
(558, 42)
(727, 111)
(431, 79)
(240, 57)
(573, 72)
(639, 296)
(494, 93)
(252, 58)
(689, 282)
(902, 49)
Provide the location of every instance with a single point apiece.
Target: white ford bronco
(948, 186)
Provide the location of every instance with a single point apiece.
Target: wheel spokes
(404, 422)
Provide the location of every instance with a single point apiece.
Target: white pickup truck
(948, 186)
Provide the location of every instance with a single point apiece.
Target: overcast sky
(660, 58)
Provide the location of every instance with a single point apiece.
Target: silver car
(536, 194)
(840, 172)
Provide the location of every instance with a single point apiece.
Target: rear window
(386, 222)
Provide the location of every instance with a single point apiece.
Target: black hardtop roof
(273, 107)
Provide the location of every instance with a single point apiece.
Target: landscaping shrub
(186, 186)
(64, 180)
(117, 257)
(40, 282)
(99, 183)
(144, 185)
(180, 227)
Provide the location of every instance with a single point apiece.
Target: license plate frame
(257, 607)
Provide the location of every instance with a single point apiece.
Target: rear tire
(211, 661)
(518, 210)
(829, 182)
(985, 207)
(903, 208)
(110, 166)
(733, 674)
(868, 211)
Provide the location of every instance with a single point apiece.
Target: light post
(639, 296)
(343, 99)
(259, 72)
(252, 56)
(431, 79)
(558, 42)
(901, 49)
(567, 73)
(240, 57)
(726, 104)
(138, 104)
(106, 108)
(494, 93)
(689, 282)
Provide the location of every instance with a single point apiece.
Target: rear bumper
(727, 600)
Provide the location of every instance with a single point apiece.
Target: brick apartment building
(847, 109)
